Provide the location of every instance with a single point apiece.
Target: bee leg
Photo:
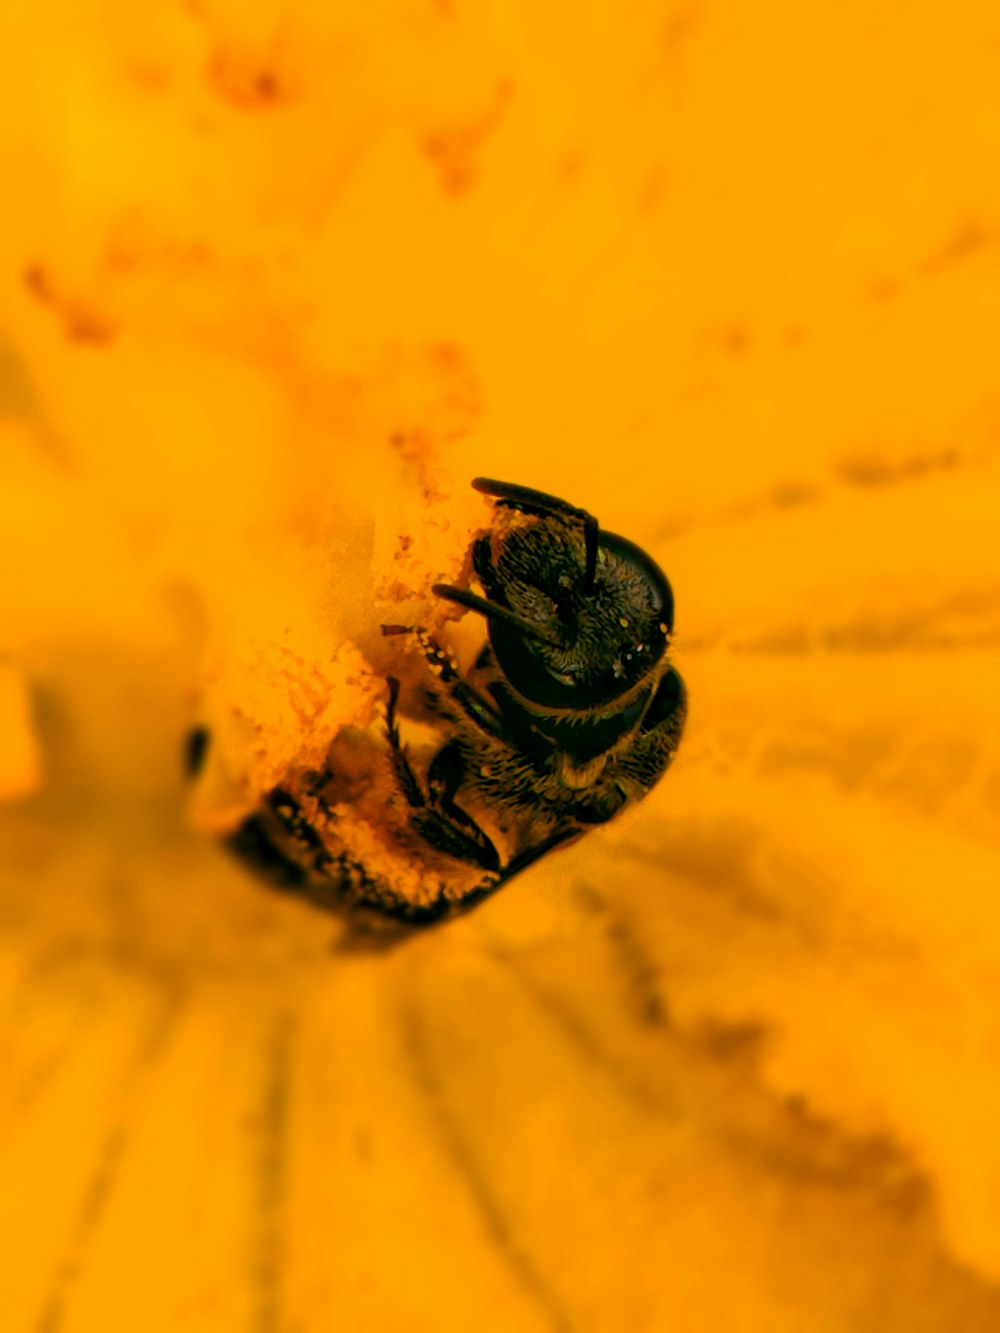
(405, 775)
(650, 754)
(527, 857)
(471, 703)
(439, 820)
(444, 777)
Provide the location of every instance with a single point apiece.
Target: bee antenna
(492, 611)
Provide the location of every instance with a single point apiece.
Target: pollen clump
(280, 709)
(277, 279)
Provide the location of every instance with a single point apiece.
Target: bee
(571, 711)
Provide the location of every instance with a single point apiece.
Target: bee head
(577, 617)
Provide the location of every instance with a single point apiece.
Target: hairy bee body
(581, 768)
(571, 711)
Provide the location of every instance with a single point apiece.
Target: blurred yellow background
(276, 280)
